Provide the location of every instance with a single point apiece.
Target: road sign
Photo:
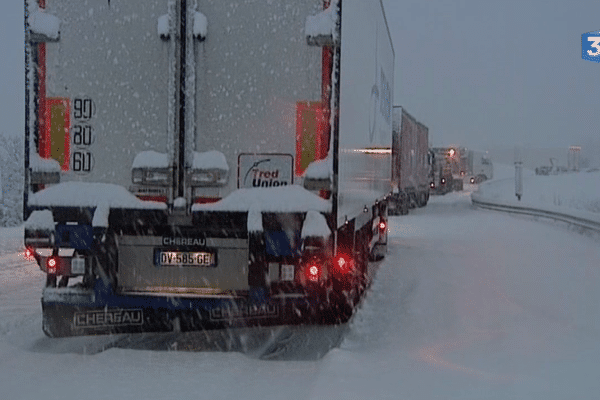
(590, 46)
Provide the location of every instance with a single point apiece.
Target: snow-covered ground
(468, 304)
(574, 193)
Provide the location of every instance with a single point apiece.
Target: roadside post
(518, 173)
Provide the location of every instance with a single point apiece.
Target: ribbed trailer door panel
(254, 72)
(103, 87)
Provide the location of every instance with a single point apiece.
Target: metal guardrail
(536, 212)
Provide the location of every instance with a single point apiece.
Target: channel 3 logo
(590, 46)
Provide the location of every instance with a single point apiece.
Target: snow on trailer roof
(315, 224)
(212, 159)
(41, 220)
(39, 164)
(83, 194)
(207, 160)
(151, 159)
(292, 198)
(322, 24)
(43, 24)
(320, 169)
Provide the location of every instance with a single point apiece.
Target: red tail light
(342, 264)
(382, 226)
(313, 272)
(52, 265)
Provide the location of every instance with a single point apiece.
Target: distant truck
(411, 163)
(479, 167)
(446, 171)
(196, 165)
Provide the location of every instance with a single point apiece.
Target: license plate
(186, 258)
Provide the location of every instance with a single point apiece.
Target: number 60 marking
(83, 162)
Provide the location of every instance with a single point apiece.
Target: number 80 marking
(83, 135)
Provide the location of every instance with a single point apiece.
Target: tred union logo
(590, 46)
(265, 170)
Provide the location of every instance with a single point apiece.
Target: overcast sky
(483, 74)
(491, 74)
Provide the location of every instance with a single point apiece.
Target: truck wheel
(362, 256)
(393, 206)
(404, 209)
(420, 199)
(338, 309)
(413, 200)
(379, 250)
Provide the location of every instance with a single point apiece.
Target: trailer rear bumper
(89, 312)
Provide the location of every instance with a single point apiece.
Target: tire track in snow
(21, 283)
(437, 355)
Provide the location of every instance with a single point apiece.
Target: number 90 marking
(83, 109)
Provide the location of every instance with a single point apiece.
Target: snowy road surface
(468, 304)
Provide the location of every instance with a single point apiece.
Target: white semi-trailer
(480, 167)
(411, 163)
(195, 164)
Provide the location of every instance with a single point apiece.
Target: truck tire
(394, 205)
(422, 199)
(404, 208)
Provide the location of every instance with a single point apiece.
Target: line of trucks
(453, 166)
(200, 164)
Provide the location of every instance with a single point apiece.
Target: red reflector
(159, 199)
(206, 200)
(28, 254)
(325, 194)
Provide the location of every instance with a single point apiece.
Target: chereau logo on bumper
(244, 311)
(264, 170)
(590, 46)
(106, 318)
